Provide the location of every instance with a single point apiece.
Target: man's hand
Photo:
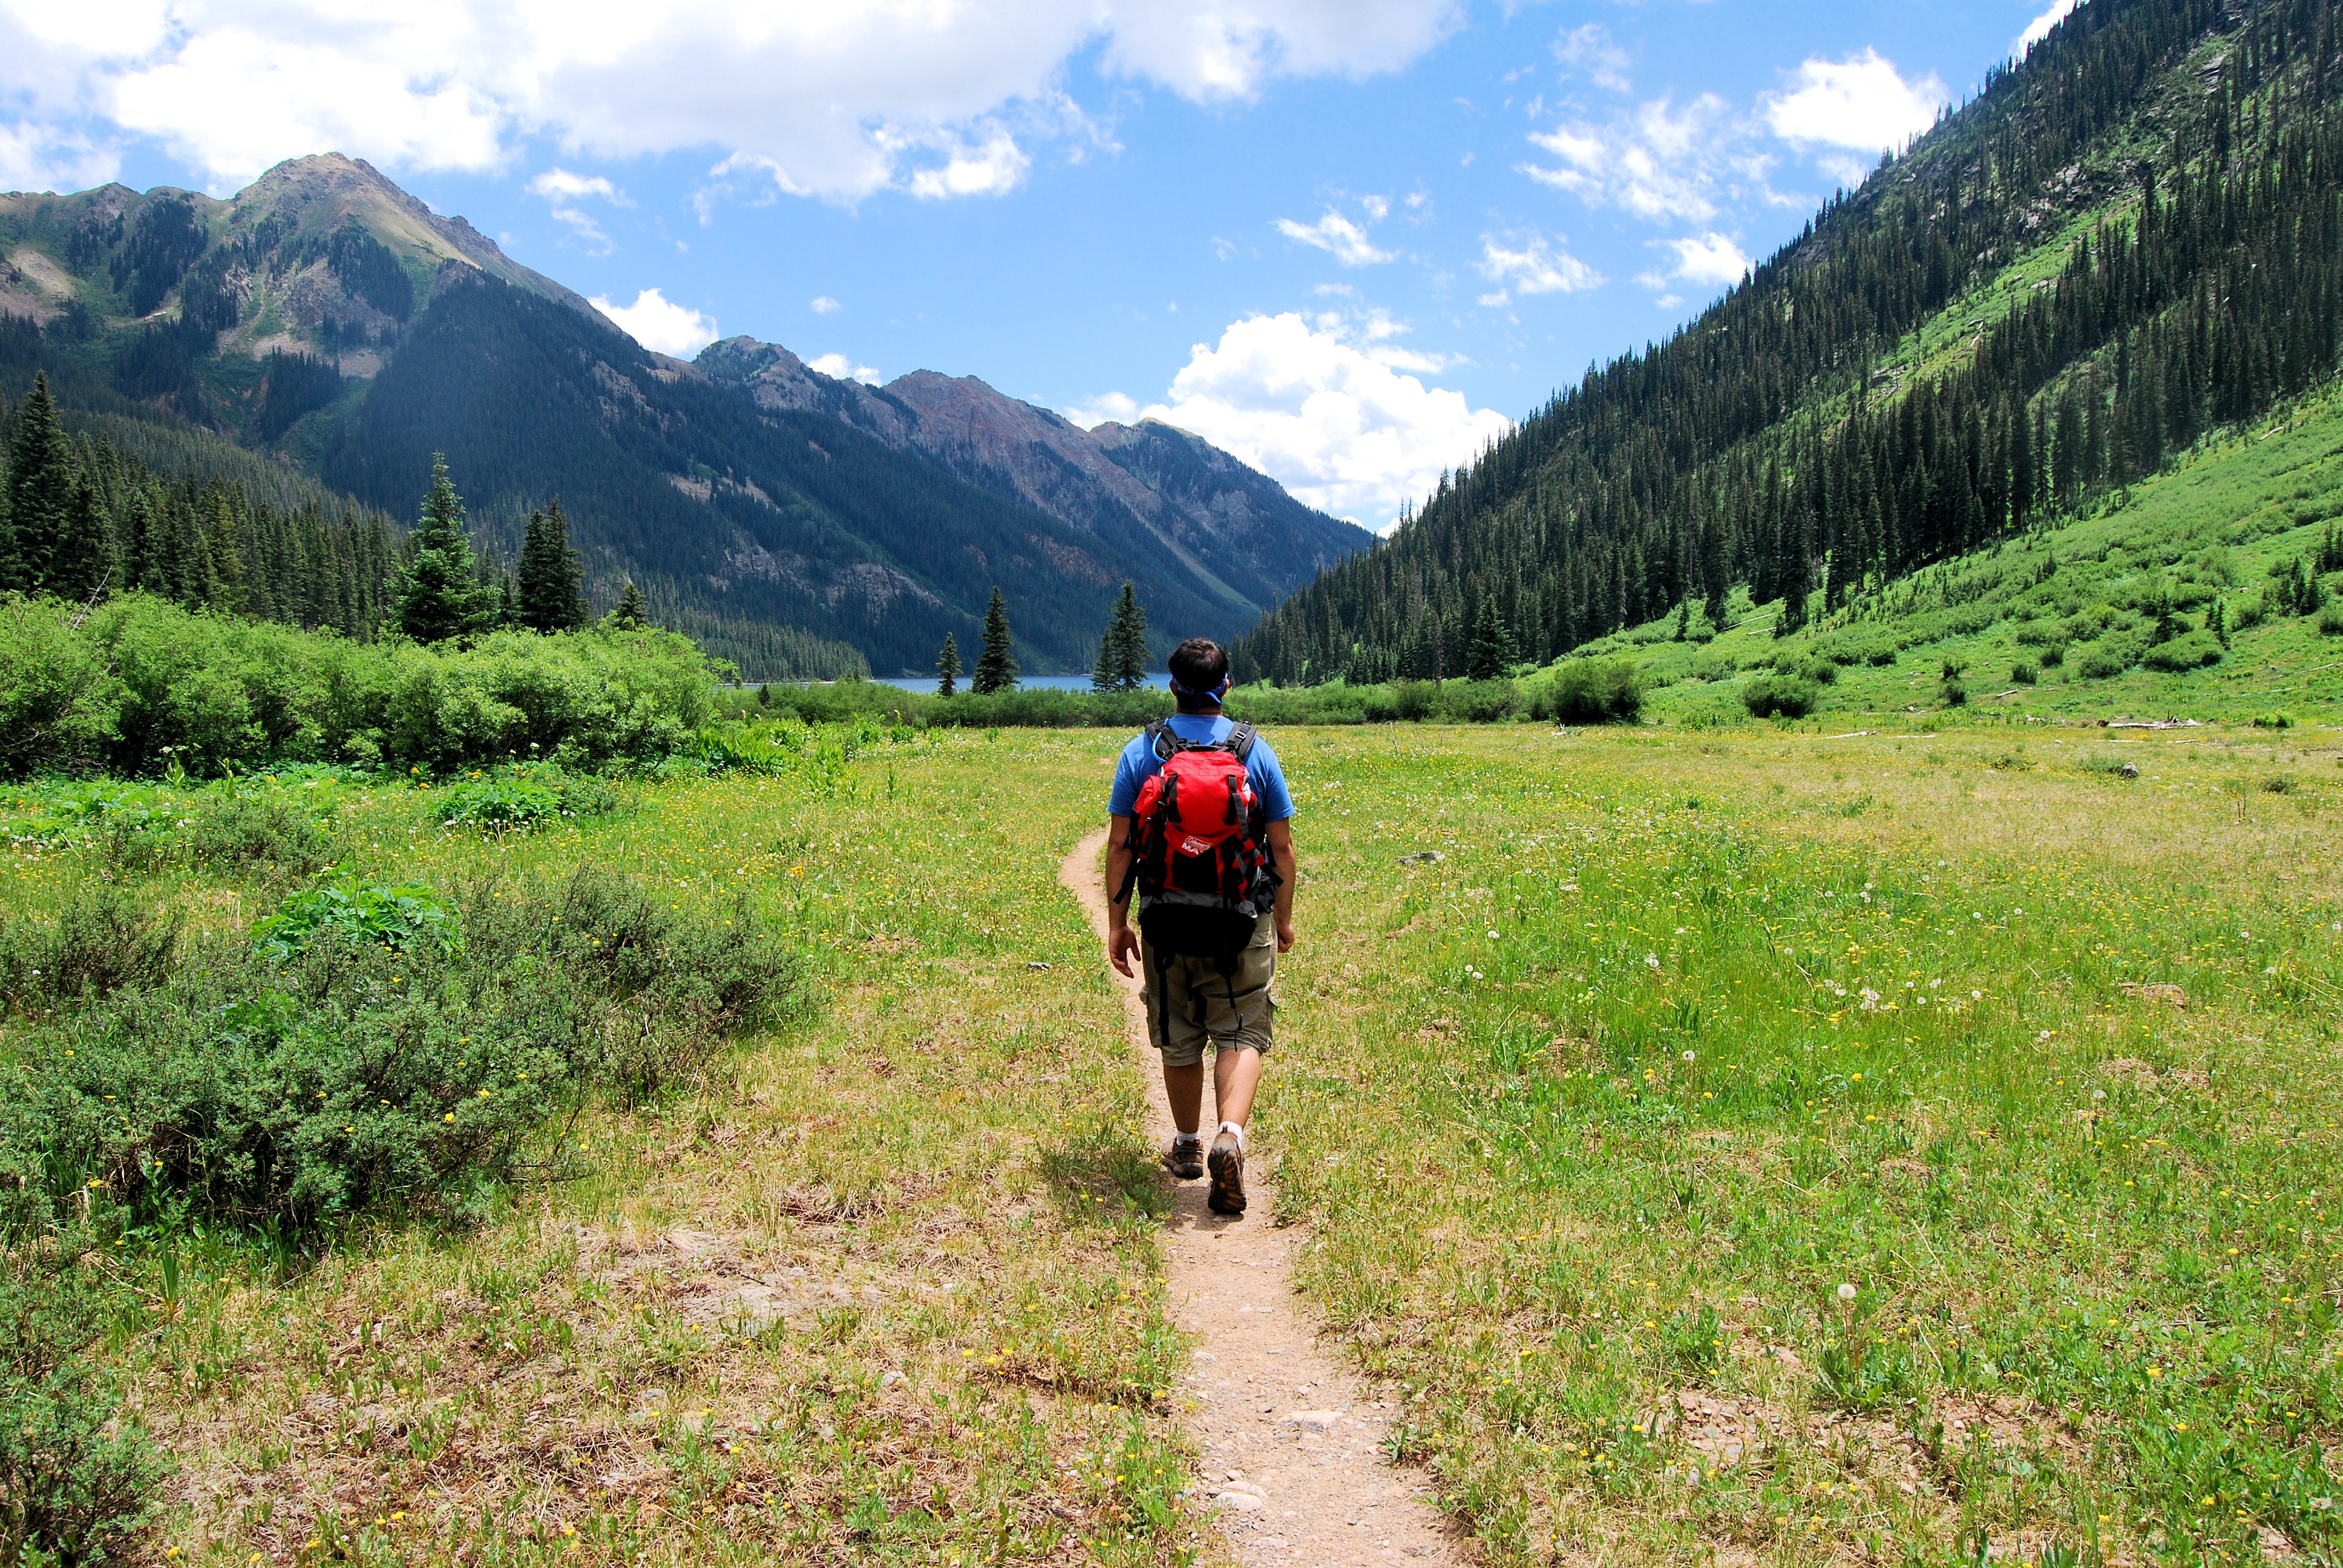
(1122, 950)
(1285, 924)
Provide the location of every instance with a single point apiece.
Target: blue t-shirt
(1139, 763)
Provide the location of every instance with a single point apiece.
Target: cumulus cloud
(565, 191)
(2039, 28)
(1337, 236)
(1326, 404)
(660, 324)
(1862, 103)
(836, 100)
(1710, 258)
(844, 369)
(1532, 266)
(1658, 162)
(823, 305)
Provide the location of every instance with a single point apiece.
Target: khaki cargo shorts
(1190, 1001)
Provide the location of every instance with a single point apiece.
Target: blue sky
(1347, 241)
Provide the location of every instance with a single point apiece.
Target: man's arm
(1121, 941)
(1280, 845)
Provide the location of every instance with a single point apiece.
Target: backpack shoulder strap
(1240, 739)
(1158, 733)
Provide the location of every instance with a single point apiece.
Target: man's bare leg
(1236, 1077)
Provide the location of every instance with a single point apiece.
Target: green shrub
(2054, 655)
(291, 1082)
(1881, 655)
(104, 938)
(367, 913)
(2024, 673)
(2197, 650)
(1954, 694)
(1591, 692)
(2331, 620)
(2103, 664)
(498, 806)
(76, 1477)
(1820, 671)
(270, 828)
(58, 700)
(1778, 696)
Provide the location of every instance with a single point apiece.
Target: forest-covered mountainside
(2127, 246)
(334, 327)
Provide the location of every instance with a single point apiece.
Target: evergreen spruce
(40, 495)
(996, 664)
(948, 668)
(1491, 652)
(439, 592)
(632, 613)
(549, 585)
(83, 563)
(1123, 649)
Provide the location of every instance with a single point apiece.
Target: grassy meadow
(1737, 1146)
(1774, 1148)
(881, 1289)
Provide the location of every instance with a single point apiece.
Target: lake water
(926, 684)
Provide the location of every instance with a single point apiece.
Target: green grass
(1751, 1145)
(1765, 1015)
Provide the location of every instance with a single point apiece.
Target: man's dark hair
(1198, 668)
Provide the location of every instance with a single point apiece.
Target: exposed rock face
(1232, 533)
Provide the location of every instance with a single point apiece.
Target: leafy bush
(1779, 696)
(1593, 691)
(2054, 655)
(498, 806)
(321, 1070)
(2194, 652)
(2024, 673)
(2103, 664)
(145, 684)
(74, 1477)
(2331, 620)
(104, 939)
(249, 829)
(1881, 656)
(365, 913)
(1820, 671)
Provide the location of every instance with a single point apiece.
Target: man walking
(1200, 827)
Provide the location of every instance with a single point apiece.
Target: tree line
(1797, 439)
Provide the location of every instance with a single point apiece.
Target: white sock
(1232, 1127)
(1188, 1140)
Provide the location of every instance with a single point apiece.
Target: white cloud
(1532, 266)
(660, 324)
(564, 191)
(1862, 103)
(1590, 51)
(2039, 28)
(823, 305)
(844, 369)
(1711, 258)
(1324, 405)
(834, 100)
(1107, 408)
(1657, 161)
(1339, 237)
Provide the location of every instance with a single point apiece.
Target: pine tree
(632, 613)
(84, 557)
(948, 666)
(550, 582)
(1123, 649)
(40, 493)
(1491, 652)
(996, 666)
(438, 595)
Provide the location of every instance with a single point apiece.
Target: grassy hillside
(2071, 601)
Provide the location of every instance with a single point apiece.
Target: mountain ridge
(326, 317)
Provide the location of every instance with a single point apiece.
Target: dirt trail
(1292, 1452)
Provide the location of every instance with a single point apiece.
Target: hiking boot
(1227, 1164)
(1185, 1158)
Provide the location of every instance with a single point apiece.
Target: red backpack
(1201, 856)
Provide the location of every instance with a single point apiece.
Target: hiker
(1200, 827)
